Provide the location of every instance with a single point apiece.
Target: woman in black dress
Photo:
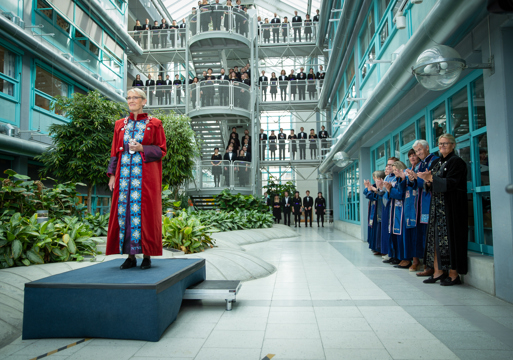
(293, 146)
(228, 16)
(266, 27)
(217, 167)
(137, 81)
(274, 86)
(308, 28)
(272, 145)
(242, 168)
(285, 29)
(320, 208)
(310, 87)
(293, 85)
(233, 136)
(137, 34)
(312, 138)
(277, 209)
(233, 144)
(297, 209)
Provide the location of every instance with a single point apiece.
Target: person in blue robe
(411, 214)
(386, 230)
(372, 193)
(421, 148)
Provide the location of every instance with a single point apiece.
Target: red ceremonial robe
(151, 188)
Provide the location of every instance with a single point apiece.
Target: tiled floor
(330, 299)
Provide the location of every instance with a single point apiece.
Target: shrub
(97, 223)
(236, 220)
(230, 202)
(186, 232)
(24, 241)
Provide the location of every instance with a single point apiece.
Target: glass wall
(349, 193)
(9, 85)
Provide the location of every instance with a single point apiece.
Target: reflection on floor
(330, 299)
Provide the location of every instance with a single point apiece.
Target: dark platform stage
(102, 301)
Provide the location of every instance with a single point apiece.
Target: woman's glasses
(444, 144)
(129, 98)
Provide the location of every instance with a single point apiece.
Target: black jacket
(307, 202)
(262, 137)
(150, 82)
(227, 157)
(320, 205)
(287, 205)
(297, 21)
(137, 83)
(296, 204)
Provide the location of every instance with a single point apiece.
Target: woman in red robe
(135, 171)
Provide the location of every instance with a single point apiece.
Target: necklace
(128, 126)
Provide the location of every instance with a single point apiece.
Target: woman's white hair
(424, 144)
(138, 91)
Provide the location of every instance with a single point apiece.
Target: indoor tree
(81, 147)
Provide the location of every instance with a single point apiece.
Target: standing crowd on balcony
(223, 17)
(420, 212)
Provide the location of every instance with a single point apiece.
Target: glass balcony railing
(231, 20)
(290, 91)
(287, 33)
(294, 150)
(235, 174)
(201, 95)
(160, 39)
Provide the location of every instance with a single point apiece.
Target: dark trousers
(320, 214)
(301, 92)
(297, 218)
(168, 97)
(262, 151)
(308, 214)
(302, 152)
(178, 97)
(282, 151)
(283, 93)
(182, 40)
(297, 32)
(163, 41)
(313, 153)
(276, 36)
(286, 217)
(273, 155)
(264, 94)
(223, 97)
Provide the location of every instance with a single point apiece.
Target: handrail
(287, 33)
(210, 174)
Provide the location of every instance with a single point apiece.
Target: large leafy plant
(81, 148)
(230, 202)
(186, 232)
(20, 194)
(98, 223)
(273, 188)
(182, 149)
(24, 241)
(236, 220)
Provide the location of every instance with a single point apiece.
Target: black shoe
(403, 267)
(450, 282)
(322, 225)
(388, 261)
(394, 261)
(432, 279)
(146, 264)
(129, 263)
(295, 226)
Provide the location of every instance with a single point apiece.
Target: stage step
(215, 289)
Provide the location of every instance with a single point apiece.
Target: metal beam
(280, 8)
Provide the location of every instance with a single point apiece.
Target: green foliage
(81, 148)
(236, 220)
(98, 223)
(24, 242)
(20, 194)
(168, 201)
(274, 188)
(230, 202)
(182, 148)
(185, 232)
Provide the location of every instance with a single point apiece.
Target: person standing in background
(287, 208)
(164, 30)
(320, 208)
(281, 143)
(297, 206)
(297, 22)
(262, 139)
(302, 143)
(167, 93)
(276, 28)
(277, 209)
(307, 205)
(137, 81)
(178, 89)
(293, 147)
(181, 31)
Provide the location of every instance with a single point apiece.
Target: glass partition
(160, 39)
(297, 150)
(290, 91)
(287, 33)
(210, 174)
(219, 18)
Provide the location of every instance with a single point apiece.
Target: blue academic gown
(397, 223)
(386, 229)
(372, 219)
(423, 202)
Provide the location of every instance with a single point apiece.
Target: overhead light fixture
(440, 67)
(400, 22)
(49, 34)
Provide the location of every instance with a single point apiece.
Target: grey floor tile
(337, 312)
(343, 324)
(292, 317)
(104, 353)
(357, 354)
(471, 340)
(228, 354)
(507, 321)
(447, 324)
(171, 348)
(418, 349)
(242, 323)
(292, 331)
(484, 354)
(418, 311)
(44, 346)
(350, 340)
(231, 339)
(298, 349)
(183, 329)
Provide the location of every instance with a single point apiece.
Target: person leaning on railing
(137, 32)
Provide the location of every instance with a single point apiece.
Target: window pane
(381, 151)
(382, 6)
(397, 146)
(471, 219)
(383, 35)
(82, 42)
(478, 99)
(464, 153)
(49, 84)
(422, 127)
(486, 210)
(459, 113)
(45, 8)
(94, 49)
(367, 34)
(6, 87)
(408, 134)
(482, 145)
(439, 122)
(350, 71)
(42, 102)
(7, 63)
(63, 24)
